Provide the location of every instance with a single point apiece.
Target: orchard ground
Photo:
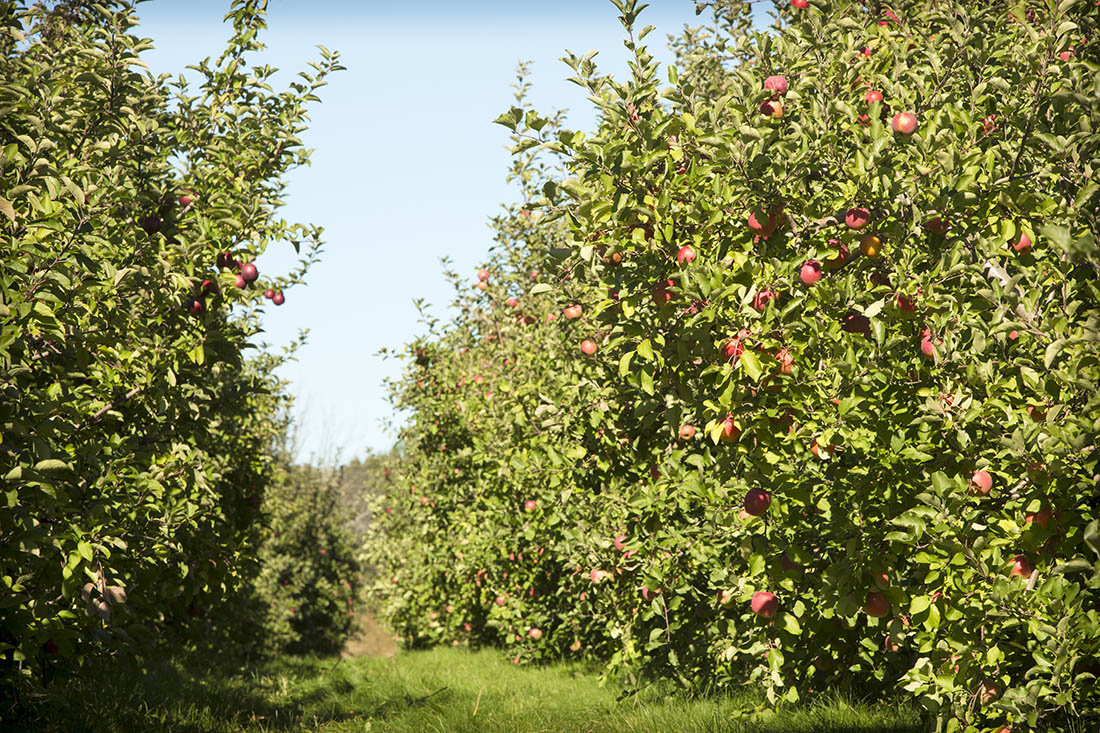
(373, 686)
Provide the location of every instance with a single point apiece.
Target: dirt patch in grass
(372, 639)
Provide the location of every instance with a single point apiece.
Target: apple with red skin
(904, 304)
(905, 123)
(511, 302)
(227, 261)
(872, 96)
(249, 272)
(981, 483)
(686, 255)
(857, 218)
(877, 605)
(733, 348)
(269, 293)
(786, 361)
(535, 634)
(687, 432)
(619, 542)
(483, 275)
(185, 200)
(757, 501)
(530, 504)
(762, 298)
(765, 223)
(843, 254)
(730, 432)
(588, 347)
(662, 292)
(772, 108)
(1037, 413)
(765, 604)
(51, 647)
(936, 225)
(800, 4)
(1022, 566)
(196, 306)
(278, 298)
(501, 600)
(857, 323)
(810, 272)
(1043, 517)
(777, 84)
(481, 285)
(572, 311)
(1023, 246)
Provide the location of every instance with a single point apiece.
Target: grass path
(446, 690)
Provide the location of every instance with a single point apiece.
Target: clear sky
(407, 165)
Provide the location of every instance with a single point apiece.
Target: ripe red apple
(786, 361)
(810, 272)
(481, 285)
(501, 600)
(483, 275)
(196, 306)
(872, 96)
(249, 272)
(227, 261)
(511, 302)
(730, 432)
(597, 575)
(765, 604)
(662, 292)
(687, 432)
(588, 347)
(765, 223)
(857, 217)
(904, 304)
(800, 4)
(905, 123)
(1021, 565)
(757, 501)
(841, 257)
(619, 541)
(535, 634)
(572, 311)
(926, 346)
(278, 298)
(51, 647)
(981, 483)
(857, 323)
(269, 293)
(733, 348)
(239, 281)
(1024, 245)
(876, 605)
(936, 225)
(686, 255)
(777, 84)
(1042, 517)
(530, 504)
(772, 108)
(1037, 413)
(762, 298)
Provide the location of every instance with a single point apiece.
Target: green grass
(444, 690)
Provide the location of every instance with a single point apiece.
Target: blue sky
(407, 165)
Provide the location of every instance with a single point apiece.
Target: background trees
(885, 319)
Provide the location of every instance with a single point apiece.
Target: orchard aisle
(445, 689)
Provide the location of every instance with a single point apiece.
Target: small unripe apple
(686, 255)
(905, 123)
(877, 605)
(483, 275)
(765, 604)
(249, 272)
(1024, 245)
(588, 347)
(572, 311)
(777, 84)
(872, 96)
(687, 432)
(857, 217)
(810, 272)
(981, 483)
(757, 501)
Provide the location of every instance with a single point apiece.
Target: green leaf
(751, 364)
(51, 464)
(7, 208)
(1052, 352)
(541, 288)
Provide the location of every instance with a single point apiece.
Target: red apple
(857, 323)
(662, 292)
(483, 275)
(762, 298)
(981, 483)
(1037, 413)
(777, 84)
(810, 272)
(936, 225)
(1024, 245)
(686, 255)
(687, 432)
(772, 108)
(872, 96)
(876, 605)
(535, 634)
(905, 123)
(757, 501)
(786, 361)
(904, 304)
(800, 4)
(588, 347)
(185, 200)
(730, 432)
(841, 257)
(857, 217)
(1021, 565)
(765, 604)
(481, 285)
(511, 302)
(249, 272)
(269, 293)
(619, 541)
(572, 311)
(1042, 517)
